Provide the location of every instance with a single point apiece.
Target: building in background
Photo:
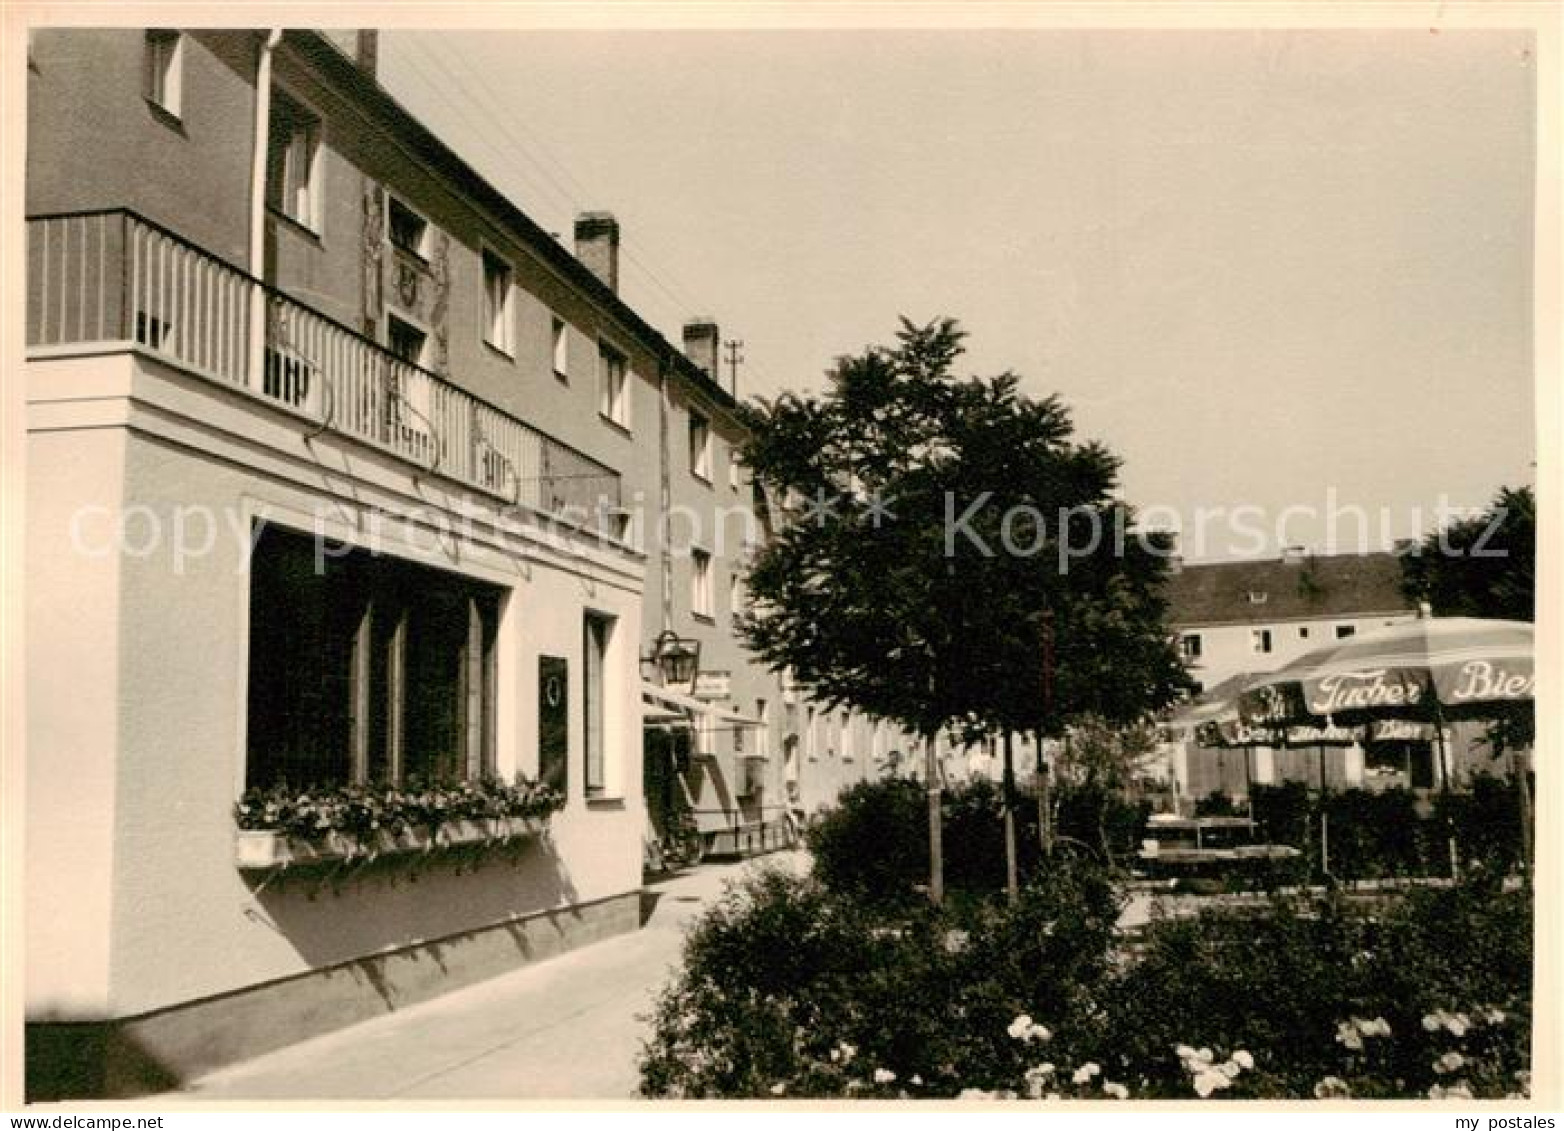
(342, 470)
(1251, 616)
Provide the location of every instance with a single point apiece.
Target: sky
(1268, 269)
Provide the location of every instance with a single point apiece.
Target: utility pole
(735, 359)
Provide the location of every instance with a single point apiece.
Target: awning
(663, 705)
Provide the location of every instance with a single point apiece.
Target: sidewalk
(566, 1028)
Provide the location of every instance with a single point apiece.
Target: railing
(113, 278)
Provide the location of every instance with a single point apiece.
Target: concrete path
(567, 1028)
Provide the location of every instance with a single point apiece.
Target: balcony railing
(114, 278)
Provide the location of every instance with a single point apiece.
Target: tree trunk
(1044, 803)
(936, 830)
(1519, 768)
(1012, 882)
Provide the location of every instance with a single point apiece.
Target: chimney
(700, 344)
(597, 246)
(1292, 555)
(366, 51)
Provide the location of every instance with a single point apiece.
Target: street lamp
(675, 657)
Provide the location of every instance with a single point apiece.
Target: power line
(492, 109)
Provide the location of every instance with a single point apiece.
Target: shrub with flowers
(359, 811)
(791, 989)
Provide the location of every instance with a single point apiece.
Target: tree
(1484, 566)
(934, 526)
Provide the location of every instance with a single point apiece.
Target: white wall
(137, 700)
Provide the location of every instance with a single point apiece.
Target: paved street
(567, 1028)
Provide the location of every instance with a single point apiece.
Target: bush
(873, 845)
(1327, 997)
(789, 988)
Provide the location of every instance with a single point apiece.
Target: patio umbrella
(1430, 669)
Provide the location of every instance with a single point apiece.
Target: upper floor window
(700, 446)
(499, 319)
(1260, 640)
(165, 69)
(700, 583)
(735, 594)
(1189, 645)
(613, 397)
(1345, 630)
(561, 341)
(405, 340)
(733, 468)
(293, 161)
(408, 230)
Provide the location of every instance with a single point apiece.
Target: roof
(1277, 589)
(348, 76)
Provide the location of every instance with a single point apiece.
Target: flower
(1449, 1062)
(1243, 1059)
(1210, 1081)
(1347, 1034)
(779, 1088)
(1018, 1028)
(1085, 1072)
(1432, 1021)
(975, 1094)
(917, 1081)
(1332, 1087)
(1116, 1090)
(1229, 1069)
(883, 1075)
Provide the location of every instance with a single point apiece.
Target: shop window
(597, 632)
(365, 667)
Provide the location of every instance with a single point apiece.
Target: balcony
(114, 279)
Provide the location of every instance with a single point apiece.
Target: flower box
(258, 849)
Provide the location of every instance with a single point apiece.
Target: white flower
(1185, 1052)
(1085, 1072)
(1458, 1091)
(1208, 1082)
(1347, 1034)
(1019, 1027)
(1116, 1090)
(1203, 1053)
(975, 1094)
(779, 1088)
(1039, 1033)
(1457, 1023)
(1243, 1059)
(1229, 1069)
(883, 1075)
(1432, 1021)
(1052, 1097)
(1495, 1017)
(1331, 1087)
(1449, 1062)
(848, 1051)
(916, 1080)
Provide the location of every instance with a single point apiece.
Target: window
(613, 401)
(735, 594)
(561, 339)
(1189, 645)
(408, 230)
(365, 668)
(1260, 640)
(405, 340)
(733, 469)
(1303, 632)
(293, 161)
(847, 738)
(499, 321)
(165, 70)
(700, 583)
(1257, 596)
(598, 631)
(811, 738)
(700, 446)
(763, 731)
(1345, 630)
